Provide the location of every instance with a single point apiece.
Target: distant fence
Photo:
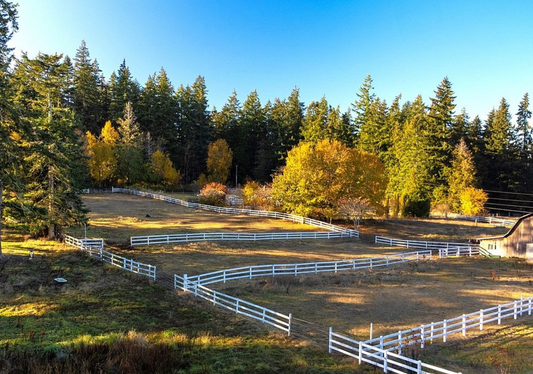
(231, 236)
(222, 276)
(497, 221)
(465, 248)
(249, 212)
(95, 248)
(239, 306)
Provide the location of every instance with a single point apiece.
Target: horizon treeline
(53, 106)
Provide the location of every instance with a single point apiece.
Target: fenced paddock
(248, 212)
(95, 248)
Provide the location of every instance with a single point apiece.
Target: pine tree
(374, 133)
(315, 122)
(122, 89)
(10, 126)
(439, 126)
(87, 101)
(523, 127)
(251, 129)
(361, 107)
(54, 155)
(129, 156)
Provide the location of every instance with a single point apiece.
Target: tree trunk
(1, 215)
(51, 227)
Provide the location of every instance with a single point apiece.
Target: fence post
(329, 339)
(419, 367)
(185, 282)
(445, 331)
(381, 342)
(385, 362)
(290, 325)
(155, 272)
(360, 356)
(515, 309)
(431, 332)
(521, 305)
(237, 306)
(464, 325)
(529, 308)
(400, 342)
(481, 320)
(499, 314)
(370, 262)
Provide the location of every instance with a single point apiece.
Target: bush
(417, 208)
(258, 196)
(213, 194)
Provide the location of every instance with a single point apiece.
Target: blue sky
(323, 47)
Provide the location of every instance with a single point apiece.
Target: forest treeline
(61, 117)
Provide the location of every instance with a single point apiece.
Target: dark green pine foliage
(375, 132)
(87, 101)
(54, 154)
(267, 147)
(251, 129)
(525, 145)
(194, 129)
(322, 121)
(459, 128)
(122, 89)
(288, 117)
(158, 110)
(438, 131)
(362, 106)
(500, 151)
(10, 125)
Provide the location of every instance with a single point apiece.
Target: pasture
(391, 298)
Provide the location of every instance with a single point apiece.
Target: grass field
(108, 311)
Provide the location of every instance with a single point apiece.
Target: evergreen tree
(10, 125)
(460, 126)
(130, 157)
(523, 127)
(315, 122)
(500, 150)
(54, 155)
(194, 129)
(375, 132)
(87, 101)
(439, 127)
(251, 129)
(122, 89)
(462, 175)
(361, 107)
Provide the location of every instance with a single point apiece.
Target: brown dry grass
(117, 217)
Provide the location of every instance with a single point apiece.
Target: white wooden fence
(436, 330)
(249, 212)
(446, 248)
(496, 221)
(388, 361)
(250, 272)
(232, 236)
(239, 306)
(95, 248)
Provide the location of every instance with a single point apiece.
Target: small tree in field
(163, 169)
(355, 209)
(257, 196)
(213, 194)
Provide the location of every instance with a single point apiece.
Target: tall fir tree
(130, 160)
(439, 127)
(54, 156)
(87, 102)
(525, 144)
(252, 129)
(10, 125)
(362, 106)
(122, 89)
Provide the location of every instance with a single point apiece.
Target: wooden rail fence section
(95, 248)
(249, 212)
(379, 351)
(239, 306)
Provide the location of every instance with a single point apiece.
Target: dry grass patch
(117, 217)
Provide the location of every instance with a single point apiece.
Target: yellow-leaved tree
(163, 169)
(317, 177)
(102, 153)
(219, 159)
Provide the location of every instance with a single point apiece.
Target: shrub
(257, 196)
(473, 201)
(213, 194)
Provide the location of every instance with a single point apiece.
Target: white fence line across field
(239, 306)
(231, 236)
(388, 361)
(306, 267)
(95, 248)
(465, 248)
(249, 212)
(497, 221)
(457, 325)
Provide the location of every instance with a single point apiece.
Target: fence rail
(497, 221)
(239, 306)
(417, 244)
(95, 248)
(249, 212)
(306, 267)
(460, 324)
(388, 361)
(231, 236)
